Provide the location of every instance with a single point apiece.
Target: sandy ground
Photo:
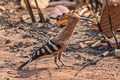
(18, 39)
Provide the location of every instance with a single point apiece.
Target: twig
(42, 19)
(94, 62)
(30, 10)
(86, 65)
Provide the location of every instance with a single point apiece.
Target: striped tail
(47, 49)
(24, 64)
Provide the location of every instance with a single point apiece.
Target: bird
(55, 46)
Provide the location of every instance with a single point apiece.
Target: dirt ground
(18, 39)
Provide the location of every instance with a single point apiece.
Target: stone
(82, 45)
(58, 10)
(117, 53)
(2, 8)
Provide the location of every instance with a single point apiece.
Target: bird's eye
(74, 18)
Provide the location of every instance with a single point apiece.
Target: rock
(115, 1)
(117, 53)
(25, 17)
(58, 10)
(12, 11)
(54, 13)
(2, 8)
(22, 55)
(82, 45)
(62, 9)
(18, 55)
(106, 53)
(41, 3)
(7, 41)
(3, 78)
(1, 14)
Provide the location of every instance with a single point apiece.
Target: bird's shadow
(28, 73)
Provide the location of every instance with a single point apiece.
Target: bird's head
(68, 18)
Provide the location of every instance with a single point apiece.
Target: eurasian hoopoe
(57, 45)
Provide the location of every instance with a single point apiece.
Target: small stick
(86, 65)
(42, 19)
(30, 10)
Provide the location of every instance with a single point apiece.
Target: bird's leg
(59, 58)
(55, 60)
(36, 70)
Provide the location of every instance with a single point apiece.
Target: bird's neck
(66, 33)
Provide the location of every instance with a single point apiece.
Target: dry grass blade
(87, 65)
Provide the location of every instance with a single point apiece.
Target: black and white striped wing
(46, 49)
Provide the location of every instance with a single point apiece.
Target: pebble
(117, 53)
(58, 10)
(106, 53)
(7, 41)
(82, 45)
(2, 8)
(1, 14)
(18, 55)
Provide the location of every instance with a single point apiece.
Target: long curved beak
(86, 19)
(65, 21)
(62, 22)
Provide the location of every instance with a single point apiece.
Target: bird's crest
(63, 20)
